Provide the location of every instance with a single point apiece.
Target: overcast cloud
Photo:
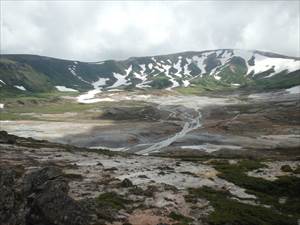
(93, 31)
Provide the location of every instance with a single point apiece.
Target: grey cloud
(93, 31)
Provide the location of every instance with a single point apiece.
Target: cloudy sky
(97, 30)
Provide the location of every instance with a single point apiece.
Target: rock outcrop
(38, 198)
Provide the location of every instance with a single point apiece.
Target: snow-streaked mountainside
(224, 67)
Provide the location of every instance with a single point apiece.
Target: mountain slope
(210, 69)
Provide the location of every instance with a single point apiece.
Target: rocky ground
(46, 183)
(240, 165)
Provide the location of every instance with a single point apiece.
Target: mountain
(208, 70)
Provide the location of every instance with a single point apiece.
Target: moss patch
(268, 192)
(230, 211)
(113, 200)
(182, 220)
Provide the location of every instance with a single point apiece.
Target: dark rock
(99, 164)
(7, 138)
(99, 212)
(143, 176)
(286, 168)
(33, 180)
(53, 206)
(161, 173)
(126, 183)
(178, 164)
(111, 169)
(165, 168)
(40, 199)
(48, 201)
(136, 190)
(150, 191)
(10, 201)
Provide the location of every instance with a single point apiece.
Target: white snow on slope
(89, 97)
(121, 80)
(63, 88)
(128, 71)
(142, 76)
(20, 87)
(178, 67)
(225, 57)
(294, 90)
(72, 69)
(217, 77)
(100, 82)
(150, 65)
(263, 63)
(143, 66)
(1, 81)
(185, 83)
(199, 61)
(186, 71)
(171, 78)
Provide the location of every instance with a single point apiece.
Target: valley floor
(222, 159)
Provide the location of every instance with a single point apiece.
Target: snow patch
(217, 77)
(121, 80)
(100, 82)
(185, 83)
(199, 61)
(72, 69)
(263, 63)
(20, 87)
(89, 97)
(150, 66)
(63, 88)
(294, 90)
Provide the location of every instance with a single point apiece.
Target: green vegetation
(280, 80)
(233, 212)
(15, 73)
(182, 220)
(160, 82)
(113, 200)
(235, 72)
(13, 116)
(204, 85)
(268, 192)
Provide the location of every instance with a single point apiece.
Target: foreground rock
(38, 198)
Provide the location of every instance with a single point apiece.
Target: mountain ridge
(219, 68)
(275, 54)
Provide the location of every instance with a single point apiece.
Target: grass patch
(113, 200)
(205, 85)
(268, 192)
(14, 116)
(229, 211)
(183, 220)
